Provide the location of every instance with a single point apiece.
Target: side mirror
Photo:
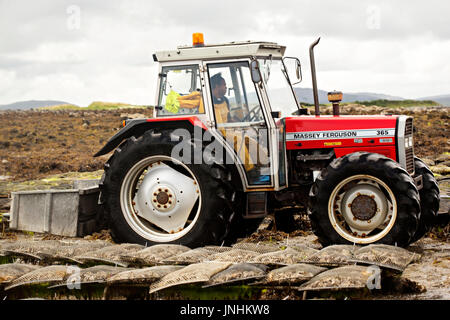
(293, 69)
(255, 71)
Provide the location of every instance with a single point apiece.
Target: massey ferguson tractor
(230, 143)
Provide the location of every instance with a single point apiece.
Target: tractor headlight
(409, 142)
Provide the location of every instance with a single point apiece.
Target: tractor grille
(409, 160)
(409, 152)
(409, 127)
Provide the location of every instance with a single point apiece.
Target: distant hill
(96, 105)
(442, 99)
(31, 104)
(305, 95)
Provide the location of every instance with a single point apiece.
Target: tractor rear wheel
(151, 197)
(364, 198)
(429, 199)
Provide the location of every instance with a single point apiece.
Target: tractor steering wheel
(253, 115)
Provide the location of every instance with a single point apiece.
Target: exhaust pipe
(313, 76)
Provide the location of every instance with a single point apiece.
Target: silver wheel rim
(159, 203)
(362, 209)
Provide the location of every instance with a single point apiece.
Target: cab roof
(222, 51)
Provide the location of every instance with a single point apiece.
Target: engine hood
(311, 132)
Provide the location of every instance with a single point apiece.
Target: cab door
(241, 120)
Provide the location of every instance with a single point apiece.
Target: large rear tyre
(364, 198)
(151, 197)
(429, 199)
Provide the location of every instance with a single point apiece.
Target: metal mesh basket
(192, 256)
(384, 256)
(293, 274)
(237, 273)
(142, 276)
(234, 256)
(96, 274)
(282, 257)
(11, 271)
(347, 277)
(76, 248)
(335, 255)
(257, 247)
(68, 252)
(154, 254)
(304, 251)
(194, 273)
(50, 250)
(50, 274)
(31, 249)
(110, 254)
(217, 249)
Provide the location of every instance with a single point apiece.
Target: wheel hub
(163, 198)
(364, 207)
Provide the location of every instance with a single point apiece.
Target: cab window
(180, 91)
(233, 93)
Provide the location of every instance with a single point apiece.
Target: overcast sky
(84, 51)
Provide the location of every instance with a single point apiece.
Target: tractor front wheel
(364, 198)
(429, 199)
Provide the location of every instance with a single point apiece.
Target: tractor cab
(240, 91)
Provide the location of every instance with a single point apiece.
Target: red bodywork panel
(344, 134)
(192, 119)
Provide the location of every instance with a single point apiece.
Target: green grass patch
(96, 105)
(398, 103)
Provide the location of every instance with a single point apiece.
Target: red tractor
(230, 143)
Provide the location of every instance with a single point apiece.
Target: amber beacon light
(335, 97)
(197, 40)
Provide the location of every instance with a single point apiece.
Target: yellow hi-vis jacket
(192, 100)
(175, 101)
(236, 138)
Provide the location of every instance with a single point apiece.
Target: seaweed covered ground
(50, 149)
(38, 143)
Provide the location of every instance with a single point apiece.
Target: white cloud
(398, 48)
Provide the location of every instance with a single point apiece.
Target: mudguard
(137, 127)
